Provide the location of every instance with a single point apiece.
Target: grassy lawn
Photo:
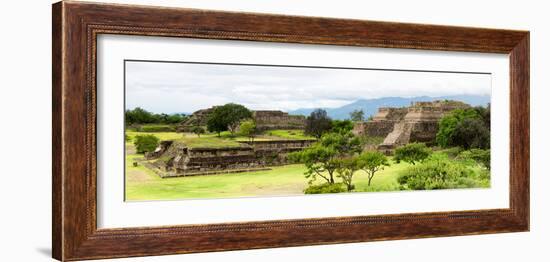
(214, 141)
(288, 134)
(144, 184)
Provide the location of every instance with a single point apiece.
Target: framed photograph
(182, 130)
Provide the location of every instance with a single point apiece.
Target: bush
(438, 173)
(146, 143)
(452, 152)
(325, 188)
(157, 128)
(480, 156)
(412, 153)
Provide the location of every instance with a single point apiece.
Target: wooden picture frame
(76, 26)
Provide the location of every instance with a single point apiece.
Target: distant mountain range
(370, 106)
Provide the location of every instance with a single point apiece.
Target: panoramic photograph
(211, 130)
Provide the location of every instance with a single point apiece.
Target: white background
(25, 84)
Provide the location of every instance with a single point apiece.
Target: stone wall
(179, 160)
(265, 120)
(269, 120)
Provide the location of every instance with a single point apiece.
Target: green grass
(288, 134)
(209, 142)
(143, 184)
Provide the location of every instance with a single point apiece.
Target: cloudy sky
(187, 87)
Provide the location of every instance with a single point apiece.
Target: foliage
(412, 153)
(325, 188)
(471, 133)
(198, 130)
(372, 162)
(346, 169)
(341, 126)
(141, 116)
(481, 156)
(371, 140)
(227, 117)
(146, 143)
(157, 128)
(248, 129)
(357, 115)
(318, 123)
(440, 173)
(321, 158)
(452, 152)
(467, 128)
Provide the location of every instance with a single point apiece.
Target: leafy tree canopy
(467, 128)
(372, 162)
(227, 117)
(412, 153)
(248, 128)
(139, 115)
(322, 158)
(341, 126)
(357, 115)
(318, 123)
(146, 143)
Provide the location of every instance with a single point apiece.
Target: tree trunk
(331, 178)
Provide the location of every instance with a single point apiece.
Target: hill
(370, 106)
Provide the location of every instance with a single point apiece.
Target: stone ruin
(273, 119)
(400, 126)
(174, 158)
(265, 120)
(197, 119)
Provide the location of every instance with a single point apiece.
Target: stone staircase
(400, 135)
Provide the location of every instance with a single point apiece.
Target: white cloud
(185, 87)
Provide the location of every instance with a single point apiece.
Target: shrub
(198, 131)
(325, 188)
(146, 143)
(440, 174)
(480, 156)
(451, 152)
(412, 153)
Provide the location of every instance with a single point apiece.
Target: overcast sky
(183, 87)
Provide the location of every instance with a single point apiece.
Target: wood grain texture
(76, 26)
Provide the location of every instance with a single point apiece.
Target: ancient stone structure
(174, 158)
(265, 120)
(269, 120)
(399, 126)
(198, 118)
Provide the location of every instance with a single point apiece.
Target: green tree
(175, 118)
(322, 158)
(372, 162)
(347, 167)
(227, 117)
(357, 115)
(248, 129)
(471, 133)
(146, 143)
(138, 115)
(465, 128)
(198, 130)
(318, 123)
(412, 153)
(341, 126)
